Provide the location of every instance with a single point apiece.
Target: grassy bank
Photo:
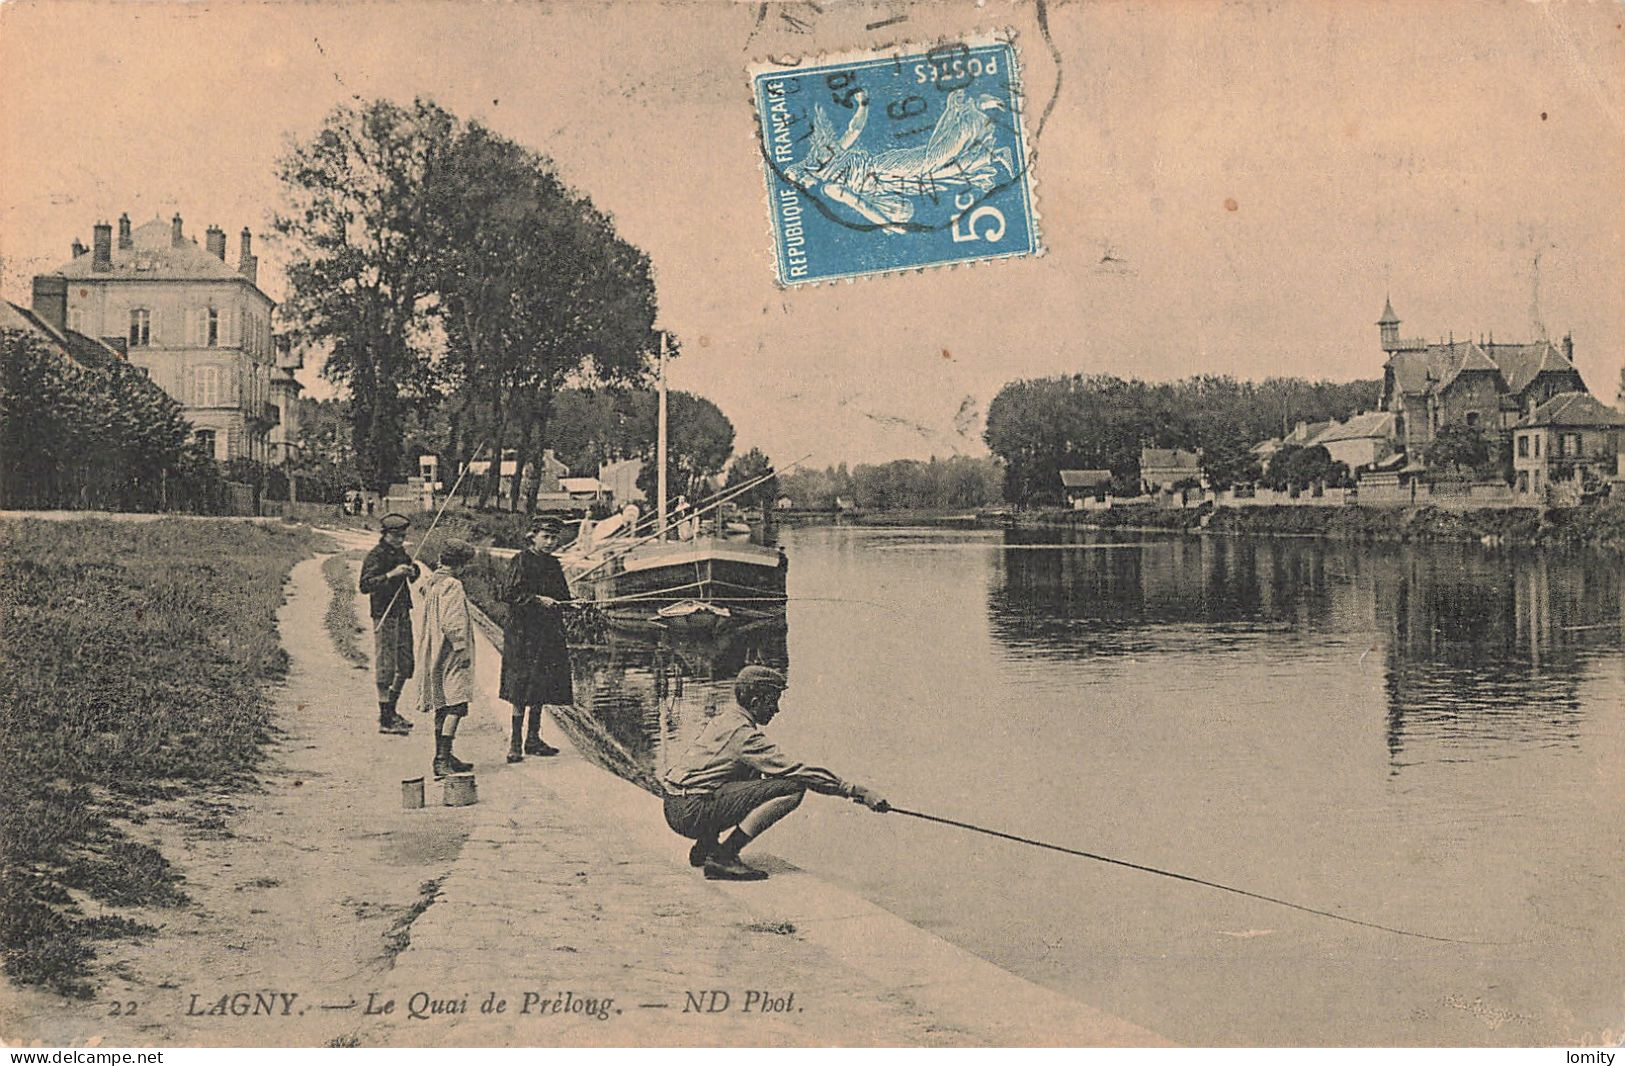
(133, 658)
(1601, 527)
(340, 617)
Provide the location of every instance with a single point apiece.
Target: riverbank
(933, 519)
(312, 895)
(1596, 527)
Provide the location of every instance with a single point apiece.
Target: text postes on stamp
(893, 161)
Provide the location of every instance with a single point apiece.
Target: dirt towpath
(296, 887)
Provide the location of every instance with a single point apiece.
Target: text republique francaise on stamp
(895, 160)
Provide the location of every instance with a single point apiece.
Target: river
(1424, 737)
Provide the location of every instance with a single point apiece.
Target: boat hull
(746, 581)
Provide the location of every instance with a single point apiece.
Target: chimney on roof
(78, 248)
(247, 265)
(101, 241)
(214, 238)
(176, 238)
(51, 300)
(124, 240)
(1568, 346)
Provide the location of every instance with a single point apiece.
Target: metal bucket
(412, 793)
(459, 791)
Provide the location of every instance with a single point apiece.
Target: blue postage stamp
(887, 161)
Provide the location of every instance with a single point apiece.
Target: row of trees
(73, 436)
(904, 484)
(592, 427)
(1040, 426)
(456, 285)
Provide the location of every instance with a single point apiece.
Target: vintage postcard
(682, 523)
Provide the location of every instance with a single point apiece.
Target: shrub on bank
(132, 662)
(1597, 526)
(103, 437)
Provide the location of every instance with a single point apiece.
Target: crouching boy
(732, 776)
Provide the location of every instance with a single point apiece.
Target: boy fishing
(732, 776)
(385, 574)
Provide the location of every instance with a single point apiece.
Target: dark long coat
(535, 654)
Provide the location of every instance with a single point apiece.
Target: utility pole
(660, 444)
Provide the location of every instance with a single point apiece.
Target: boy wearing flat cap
(535, 655)
(733, 776)
(385, 575)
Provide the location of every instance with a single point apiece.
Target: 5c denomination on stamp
(881, 162)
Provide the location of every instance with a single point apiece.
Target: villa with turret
(1565, 443)
(1479, 384)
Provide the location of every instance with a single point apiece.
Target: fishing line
(1187, 877)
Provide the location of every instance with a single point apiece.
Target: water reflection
(638, 695)
(1479, 649)
(1485, 649)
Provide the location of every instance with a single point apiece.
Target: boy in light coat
(446, 654)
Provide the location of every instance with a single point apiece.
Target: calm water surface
(1428, 738)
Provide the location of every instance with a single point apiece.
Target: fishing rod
(616, 551)
(1183, 877)
(455, 485)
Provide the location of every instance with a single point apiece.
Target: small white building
(1361, 441)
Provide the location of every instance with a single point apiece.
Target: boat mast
(660, 444)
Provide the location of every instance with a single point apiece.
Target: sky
(1228, 188)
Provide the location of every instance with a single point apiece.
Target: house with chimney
(199, 326)
(1479, 384)
(1566, 448)
(88, 352)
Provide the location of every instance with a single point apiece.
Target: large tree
(1459, 447)
(362, 258)
(536, 289)
(749, 467)
(699, 439)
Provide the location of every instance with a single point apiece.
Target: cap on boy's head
(541, 522)
(752, 678)
(394, 522)
(456, 552)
